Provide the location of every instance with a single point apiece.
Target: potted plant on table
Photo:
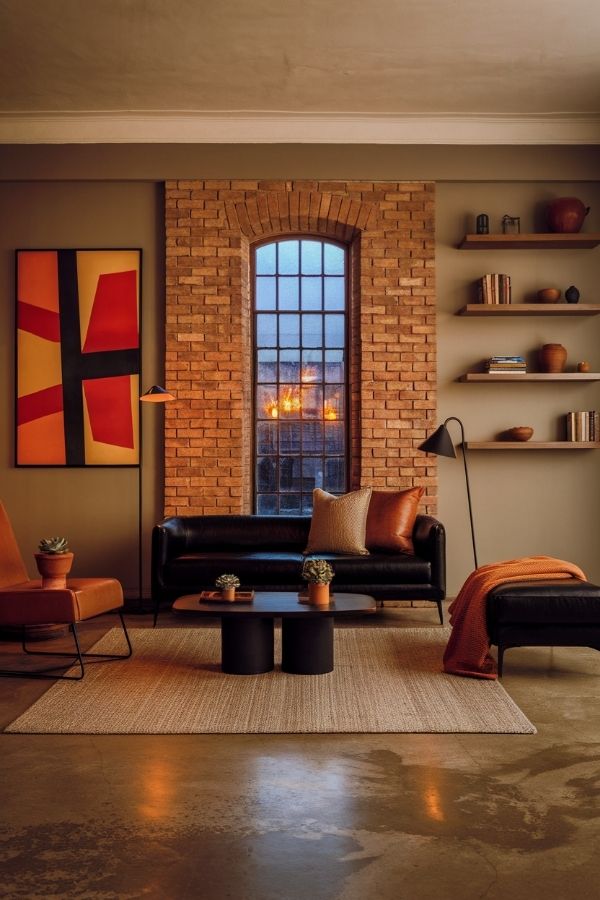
(319, 575)
(228, 585)
(54, 561)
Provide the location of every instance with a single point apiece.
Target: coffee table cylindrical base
(307, 645)
(246, 645)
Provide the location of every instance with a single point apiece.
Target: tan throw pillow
(339, 523)
(391, 519)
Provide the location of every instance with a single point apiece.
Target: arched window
(301, 355)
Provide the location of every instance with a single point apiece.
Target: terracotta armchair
(24, 603)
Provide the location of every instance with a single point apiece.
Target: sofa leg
(440, 611)
(500, 659)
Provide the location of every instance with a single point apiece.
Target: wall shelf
(484, 378)
(532, 445)
(501, 310)
(529, 241)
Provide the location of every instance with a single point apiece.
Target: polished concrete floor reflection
(315, 817)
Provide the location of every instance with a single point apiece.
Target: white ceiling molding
(296, 128)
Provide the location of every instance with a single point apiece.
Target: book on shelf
(494, 288)
(497, 365)
(583, 425)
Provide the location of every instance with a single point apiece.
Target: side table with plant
(319, 575)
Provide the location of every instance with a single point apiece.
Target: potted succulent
(54, 561)
(228, 584)
(319, 575)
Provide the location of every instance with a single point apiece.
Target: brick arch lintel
(264, 214)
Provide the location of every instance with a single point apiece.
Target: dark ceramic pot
(565, 215)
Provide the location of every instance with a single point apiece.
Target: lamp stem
(464, 454)
(140, 536)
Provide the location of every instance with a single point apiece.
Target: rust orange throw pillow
(391, 519)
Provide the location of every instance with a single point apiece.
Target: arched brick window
(300, 309)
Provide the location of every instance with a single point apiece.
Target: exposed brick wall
(210, 228)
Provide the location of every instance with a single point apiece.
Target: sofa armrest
(429, 540)
(168, 540)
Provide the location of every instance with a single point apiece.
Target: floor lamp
(155, 394)
(440, 444)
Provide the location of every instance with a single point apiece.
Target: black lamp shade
(439, 443)
(157, 394)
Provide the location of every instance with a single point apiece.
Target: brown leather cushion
(30, 604)
(391, 519)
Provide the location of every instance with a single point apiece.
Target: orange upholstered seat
(24, 603)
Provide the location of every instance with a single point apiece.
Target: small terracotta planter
(228, 594)
(54, 568)
(318, 594)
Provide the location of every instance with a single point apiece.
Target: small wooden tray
(217, 597)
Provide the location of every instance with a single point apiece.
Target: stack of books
(502, 365)
(494, 288)
(583, 426)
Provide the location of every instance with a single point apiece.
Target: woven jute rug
(385, 680)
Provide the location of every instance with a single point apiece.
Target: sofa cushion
(380, 568)
(339, 523)
(391, 520)
(198, 571)
(240, 533)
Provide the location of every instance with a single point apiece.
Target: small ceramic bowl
(549, 295)
(519, 433)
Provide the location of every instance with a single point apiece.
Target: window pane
(266, 504)
(266, 331)
(334, 366)
(312, 366)
(334, 331)
(311, 258)
(265, 293)
(333, 404)
(266, 472)
(312, 293)
(267, 365)
(289, 366)
(266, 401)
(334, 437)
(312, 331)
(289, 437)
(335, 475)
(334, 293)
(334, 260)
(290, 473)
(290, 504)
(288, 257)
(312, 402)
(289, 402)
(265, 260)
(289, 330)
(312, 473)
(266, 438)
(289, 293)
(307, 504)
(312, 437)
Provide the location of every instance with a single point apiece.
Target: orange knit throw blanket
(468, 646)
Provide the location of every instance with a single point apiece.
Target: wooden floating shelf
(500, 310)
(483, 377)
(532, 445)
(529, 241)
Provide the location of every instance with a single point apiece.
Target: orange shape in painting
(113, 323)
(37, 281)
(41, 442)
(109, 408)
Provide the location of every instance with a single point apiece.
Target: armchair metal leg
(440, 611)
(156, 610)
(76, 658)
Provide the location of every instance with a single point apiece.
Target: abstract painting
(78, 357)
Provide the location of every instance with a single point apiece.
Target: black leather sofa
(265, 552)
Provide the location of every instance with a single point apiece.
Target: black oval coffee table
(247, 630)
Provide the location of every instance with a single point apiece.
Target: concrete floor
(316, 817)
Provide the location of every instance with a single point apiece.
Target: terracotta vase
(553, 358)
(228, 594)
(318, 594)
(565, 215)
(54, 568)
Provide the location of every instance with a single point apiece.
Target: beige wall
(524, 502)
(95, 508)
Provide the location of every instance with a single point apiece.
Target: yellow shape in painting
(39, 363)
(98, 453)
(90, 265)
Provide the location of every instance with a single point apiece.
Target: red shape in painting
(38, 321)
(113, 322)
(40, 403)
(109, 407)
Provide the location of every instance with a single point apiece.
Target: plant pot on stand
(318, 594)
